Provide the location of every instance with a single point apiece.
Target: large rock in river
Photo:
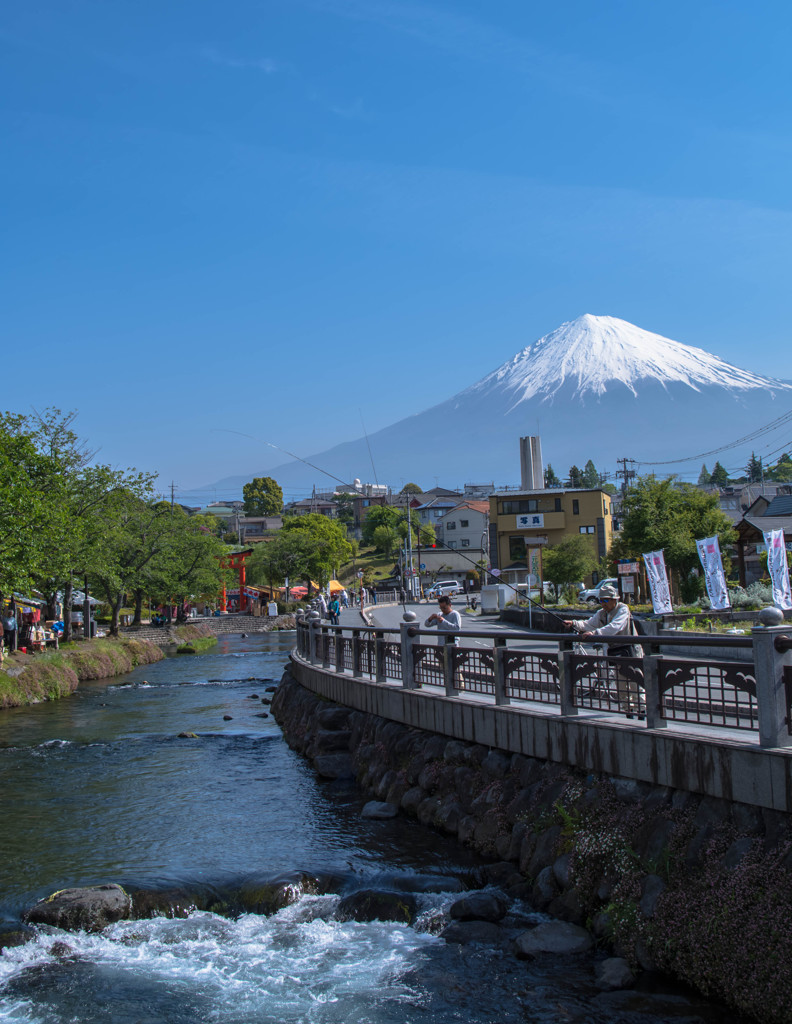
(377, 905)
(90, 909)
(553, 937)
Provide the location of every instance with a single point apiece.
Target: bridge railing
(655, 689)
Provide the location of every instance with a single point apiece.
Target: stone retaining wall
(697, 887)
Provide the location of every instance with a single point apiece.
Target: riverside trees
(309, 548)
(63, 517)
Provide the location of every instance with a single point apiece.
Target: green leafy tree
(590, 476)
(754, 469)
(550, 477)
(782, 471)
(345, 504)
(286, 556)
(380, 515)
(427, 535)
(263, 497)
(719, 476)
(705, 476)
(662, 514)
(575, 478)
(386, 538)
(329, 545)
(186, 565)
(568, 561)
(411, 488)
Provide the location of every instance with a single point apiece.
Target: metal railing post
(339, 649)
(566, 685)
(650, 665)
(379, 657)
(771, 702)
(356, 670)
(499, 671)
(448, 669)
(325, 648)
(407, 653)
(314, 623)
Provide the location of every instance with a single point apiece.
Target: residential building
(254, 529)
(526, 521)
(763, 516)
(462, 526)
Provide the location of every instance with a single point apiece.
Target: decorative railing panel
(367, 663)
(473, 670)
(613, 685)
(392, 660)
(711, 693)
(531, 676)
(428, 661)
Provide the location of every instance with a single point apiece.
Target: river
(99, 788)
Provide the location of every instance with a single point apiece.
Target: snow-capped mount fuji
(595, 388)
(593, 353)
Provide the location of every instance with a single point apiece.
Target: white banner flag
(777, 567)
(658, 582)
(714, 576)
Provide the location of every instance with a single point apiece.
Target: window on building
(557, 505)
(604, 507)
(465, 542)
(517, 550)
(575, 507)
(451, 544)
(450, 526)
(519, 507)
(587, 529)
(463, 523)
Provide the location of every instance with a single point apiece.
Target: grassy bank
(194, 638)
(31, 678)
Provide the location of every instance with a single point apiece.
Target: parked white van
(445, 587)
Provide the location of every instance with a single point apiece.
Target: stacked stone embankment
(692, 886)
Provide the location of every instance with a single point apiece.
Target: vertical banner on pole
(714, 576)
(658, 582)
(778, 569)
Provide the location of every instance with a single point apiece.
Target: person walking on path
(333, 609)
(614, 618)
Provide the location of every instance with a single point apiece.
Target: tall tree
(719, 476)
(568, 561)
(550, 477)
(263, 497)
(411, 488)
(590, 477)
(705, 477)
(328, 542)
(754, 469)
(575, 478)
(663, 514)
(782, 471)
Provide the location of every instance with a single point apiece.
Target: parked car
(445, 587)
(591, 595)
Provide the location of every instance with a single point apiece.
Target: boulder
(480, 906)
(378, 810)
(426, 883)
(545, 853)
(334, 766)
(613, 973)
(495, 765)
(553, 937)
(412, 798)
(333, 718)
(377, 905)
(326, 741)
(87, 909)
(737, 851)
(187, 736)
(545, 888)
(269, 895)
(464, 932)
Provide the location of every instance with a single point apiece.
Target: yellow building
(523, 523)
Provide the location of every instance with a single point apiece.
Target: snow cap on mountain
(593, 352)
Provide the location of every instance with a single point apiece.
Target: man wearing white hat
(615, 619)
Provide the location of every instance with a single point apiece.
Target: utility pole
(626, 474)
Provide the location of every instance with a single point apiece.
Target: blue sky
(291, 216)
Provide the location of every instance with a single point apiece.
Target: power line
(759, 432)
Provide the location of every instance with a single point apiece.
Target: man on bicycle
(614, 619)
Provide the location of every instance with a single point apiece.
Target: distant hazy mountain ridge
(595, 388)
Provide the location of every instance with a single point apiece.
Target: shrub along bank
(31, 678)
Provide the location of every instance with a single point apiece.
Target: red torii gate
(235, 561)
